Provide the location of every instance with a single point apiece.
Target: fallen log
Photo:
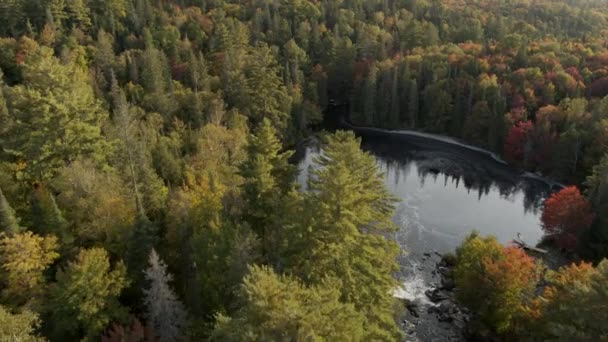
(521, 244)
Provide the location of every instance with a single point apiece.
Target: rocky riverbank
(437, 316)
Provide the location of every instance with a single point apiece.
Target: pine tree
(143, 238)
(413, 104)
(268, 179)
(48, 218)
(597, 192)
(369, 95)
(57, 117)
(266, 96)
(8, 221)
(164, 312)
(281, 308)
(133, 156)
(348, 210)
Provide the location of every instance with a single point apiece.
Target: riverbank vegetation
(145, 184)
(516, 297)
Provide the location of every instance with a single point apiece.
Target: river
(445, 190)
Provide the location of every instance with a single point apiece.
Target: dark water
(445, 192)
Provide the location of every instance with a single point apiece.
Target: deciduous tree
(85, 298)
(24, 258)
(566, 215)
(19, 326)
(494, 281)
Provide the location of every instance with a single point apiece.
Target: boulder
(437, 295)
(447, 283)
(413, 309)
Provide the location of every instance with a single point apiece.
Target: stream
(446, 190)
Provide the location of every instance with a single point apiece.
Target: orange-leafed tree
(495, 282)
(566, 215)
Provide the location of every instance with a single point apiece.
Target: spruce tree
(164, 312)
(268, 179)
(8, 221)
(48, 218)
(413, 104)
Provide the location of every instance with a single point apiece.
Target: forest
(148, 192)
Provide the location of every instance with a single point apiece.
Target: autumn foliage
(566, 215)
(517, 139)
(494, 281)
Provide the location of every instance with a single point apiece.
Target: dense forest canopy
(145, 184)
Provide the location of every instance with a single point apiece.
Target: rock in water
(436, 295)
(413, 309)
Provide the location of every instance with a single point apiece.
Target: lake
(446, 190)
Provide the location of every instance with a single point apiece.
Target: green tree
(575, 304)
(8, 221)
(281, 308)
(268, 178)
(85, 297)
(97, 206)
(413, 104)
(348, 210)
(55, 116)
(47, 218)
(266, 96)
(597, 193)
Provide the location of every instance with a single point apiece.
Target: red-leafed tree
(566, 215)
(135, 332)
(517, 144)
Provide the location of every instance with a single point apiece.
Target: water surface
(444, 193)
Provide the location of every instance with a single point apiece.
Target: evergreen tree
(48, 219)
(280, 308)
(57, 118)
(268, 178)
(369, 95)
(597, 193)
(8, 221)
(413, 103)
(349, 209)
(164, 312)
(267, 97)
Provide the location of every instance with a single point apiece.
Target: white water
(436, 212)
